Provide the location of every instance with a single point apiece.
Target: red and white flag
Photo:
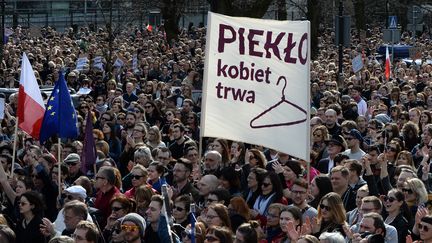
(387, 65)
(31, 108)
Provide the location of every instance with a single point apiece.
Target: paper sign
(357, 63)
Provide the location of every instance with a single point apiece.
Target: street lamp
(340, 41)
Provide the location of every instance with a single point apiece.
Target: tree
(240, 8)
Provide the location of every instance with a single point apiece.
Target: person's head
(246, 234)
(405, 158)
(415, 191)
(143, 156)
(394, 201)
(372, 223)
(7, 235)
(320, 186)
(331, 237)
(362, 192)
(154, 209)
(86, 232)
(353, 138)
(75, 193)
(155, 170)
(105, 178)
(229, 178)
(239, 205)
(257, 158)
(331, 209)
(271, 184)
(299, 192)
(292, 169)
(425, 228)
(217, 214)
(74, 212)
(320, 134)
(178, 131)
(121, 205)
(354, 167)
(339, 178)
(212, 160)
(73, 162)
(143, 195)
(139, 175)
(31, 202)
(200, 230)
(206, 184)
(182, 170)
(219, 234)
(218, 195)
(134, 227)
(181, 208)
(61, 239)
(255, 178)
(331, 118)
(290, 214)
(371, 204)
(273, 213)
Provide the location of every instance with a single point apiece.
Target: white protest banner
(81, 62)
(97, 62)
(357, 63)
(256, 84)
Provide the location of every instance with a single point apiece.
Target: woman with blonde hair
(405, 158)
(331, 215)
(415, 194)
(154, 138)
(319, 135)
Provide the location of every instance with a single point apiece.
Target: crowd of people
(371, 144)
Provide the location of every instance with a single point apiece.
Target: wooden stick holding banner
(59, 161)
(167, 211)
(14, 149)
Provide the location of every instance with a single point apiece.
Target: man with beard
(177, 147)
(299, 197)
(347, 111)
(181, 173)
(133, 225)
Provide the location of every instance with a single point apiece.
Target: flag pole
(59, 163)
(14, 148)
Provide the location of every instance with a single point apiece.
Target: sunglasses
(69, 197)
(409, 191)
(327, 208)
(71, 164)
(148, 106)
(266, 184)
(136, 177)
(423, 227)
(115, 209)
(121, 118)
(129, 228)
(179, 209)
(389, 199)
(392, 149)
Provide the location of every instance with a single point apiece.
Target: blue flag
(60, 116)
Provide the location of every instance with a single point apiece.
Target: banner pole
(14, 148)
(59, 163)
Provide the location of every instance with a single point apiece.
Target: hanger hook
(285, 84)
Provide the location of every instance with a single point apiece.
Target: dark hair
(301, 183)
(158, 166)
(222, 211)
(223, 233)
(324, 185)
(229, 174)
(35, 199)
(405, 210)
(277, 185)
(249, 233)
(222, 194)
(186, 199)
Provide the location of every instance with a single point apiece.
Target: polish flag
(31, 108)
(387, 65)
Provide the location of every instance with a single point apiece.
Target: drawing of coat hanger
(283, 101)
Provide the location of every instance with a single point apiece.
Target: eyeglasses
(327, 208)
(179, 209)
(137, 130)
(137, 177)
(169, 114)
(148, 106)
(266, 184)
(137, 111)
(407, 190)
(423, 227)
(317, 135)
(297, 192)
(389, 199)
(129, 228)
(69, 197)
(121, 118)
(71, 164)
(115, 209)
(84, 107)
